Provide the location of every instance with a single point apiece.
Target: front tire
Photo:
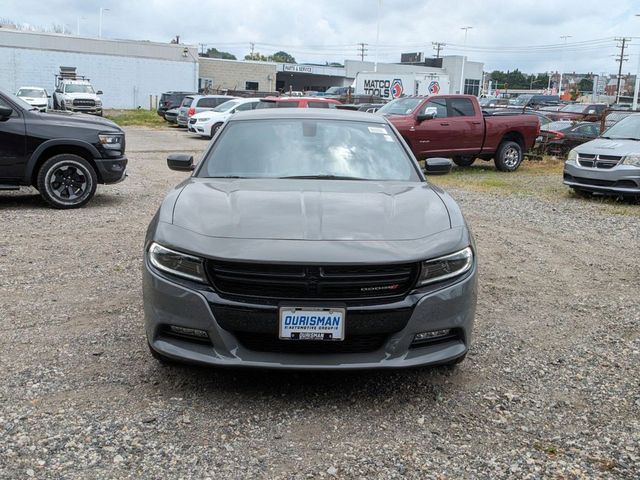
(464, 160)
(508, 156)
(67, 181)
(214, 129)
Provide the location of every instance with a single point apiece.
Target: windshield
(400, 106)
(78, 88)
(226, 106)
(627, 128)
(31, 92)
(522, 100)
(555, 126)
(308, 148)
(573, 108)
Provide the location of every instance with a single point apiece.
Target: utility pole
(202, 49)
(563, 37)
(363, 50)
(621, 58)
(253, 46)
(437, 46)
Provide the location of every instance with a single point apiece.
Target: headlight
(176, 263)
(573, 156)
(98, 103)
(111, 141)
(68, 101)
(203, 119)
(445, 267)
(632, 160)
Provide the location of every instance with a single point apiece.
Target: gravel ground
(551, 388)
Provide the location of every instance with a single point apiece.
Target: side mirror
(99, 92)
(429, 113)
(437, 166)
(5, 112)
(180, 162)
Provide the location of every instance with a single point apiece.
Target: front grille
(358, 321)
(598, 161)
(78, 102)
(312, 281)
(269, 343)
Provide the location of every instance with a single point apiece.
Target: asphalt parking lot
(551, 388)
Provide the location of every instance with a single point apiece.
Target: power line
(437, 46)
(363, 50)
(621, 58)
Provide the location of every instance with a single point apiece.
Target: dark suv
(169, 100)
(62, 154)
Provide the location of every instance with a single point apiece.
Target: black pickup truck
(64, 155)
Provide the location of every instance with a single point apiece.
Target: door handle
(476, 123)
(444, 124)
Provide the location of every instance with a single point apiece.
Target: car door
(582, 134)
(430, 137)
(12, 144)
(467, 128)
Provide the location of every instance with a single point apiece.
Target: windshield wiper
(324, 177)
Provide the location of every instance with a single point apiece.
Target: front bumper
(183, 121)
(111, 170)
(167, 302)
(619, 180)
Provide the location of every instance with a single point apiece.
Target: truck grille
(79, 102)
(598, 161)
(312, 281)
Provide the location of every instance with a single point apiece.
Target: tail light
(557, 135)
(191, 111)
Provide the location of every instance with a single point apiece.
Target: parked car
(75, 93)
(362, 107)
(609, 164)
(455, 126)
(588, 112)
(61, 154)
(541, 115)
(171, 115)
(535, 101)
(192, 104)
(557, 138)
(206, 124)
(170, 100)
(308, 239)
(493, 102)
(34, 96)
(297, 102)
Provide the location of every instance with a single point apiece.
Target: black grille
(311, 281)
(598, 161)
(269, 343)
(78, 102)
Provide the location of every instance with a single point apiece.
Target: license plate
(309, 323)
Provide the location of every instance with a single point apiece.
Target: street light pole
(636, 85)
(466, 30)
(375, 65)
(563, 37)
(102, 10)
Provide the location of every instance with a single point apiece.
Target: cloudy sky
(504, 35)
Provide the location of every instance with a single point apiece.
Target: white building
(128, 72)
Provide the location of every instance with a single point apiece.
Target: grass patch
(143, 118)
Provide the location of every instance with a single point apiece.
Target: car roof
(297, 99)
(308, 113)
(34, 88)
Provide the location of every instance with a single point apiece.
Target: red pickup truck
(455, 126)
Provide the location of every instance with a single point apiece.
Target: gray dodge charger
(308, 239)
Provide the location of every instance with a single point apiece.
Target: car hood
(287, 209)
(211, 115)
(80, 119)
(84, 96)
(34, 101)
(605, 146)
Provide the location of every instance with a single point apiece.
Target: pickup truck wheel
(509, 156)
(464, 160)
(66, 181)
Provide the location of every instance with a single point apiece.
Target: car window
(308, 147)
(208, 102)
(245, 106)
(287, 104)
(400, 106)
(439, 103)
(461, 107)
(318, 104)
(187, 102)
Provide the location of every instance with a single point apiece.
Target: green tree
(257, 56)
(215, 53)
(282, 57)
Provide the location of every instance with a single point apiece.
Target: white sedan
(35, 96)
(206, 124)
